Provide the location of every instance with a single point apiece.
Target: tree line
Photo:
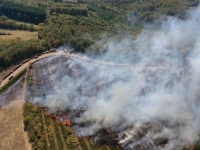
(14, 50)
(23, 12)
(70, 30)
(102, 11)
(11, 24)
(70, 11)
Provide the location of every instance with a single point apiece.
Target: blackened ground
(13, 93)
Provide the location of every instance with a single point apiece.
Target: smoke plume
(146, 89)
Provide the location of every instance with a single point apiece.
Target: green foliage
(79, 25)
(14, 50)
(30, 79)
(6, 23)
(63, 29)
(33, 124)
(80, 44)
(70, 11)
(3, 18)
(22, 12)
(83, 144)
(59, 140)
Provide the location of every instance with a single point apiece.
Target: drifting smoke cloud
(148, 86)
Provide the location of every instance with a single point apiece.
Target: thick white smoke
(147, 88)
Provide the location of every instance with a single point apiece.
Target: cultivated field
(42, 79)
(25, 35)
(46, 132)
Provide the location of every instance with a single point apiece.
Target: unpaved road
(25, 65)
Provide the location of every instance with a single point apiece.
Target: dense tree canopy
(22, 12)
(14, 50)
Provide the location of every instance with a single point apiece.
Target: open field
(25, 35)
(12, 134)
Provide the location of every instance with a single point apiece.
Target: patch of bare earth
(12, 133)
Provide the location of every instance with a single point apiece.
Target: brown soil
(12, 133)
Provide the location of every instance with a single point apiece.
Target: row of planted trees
(11, 24)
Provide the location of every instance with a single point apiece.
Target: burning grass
(37, 128)
(145, 89)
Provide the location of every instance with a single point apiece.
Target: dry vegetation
(25, 35)
(45, 133)
(58, 136)
(11, 127)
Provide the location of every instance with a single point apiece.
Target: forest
(22, 12)
(14, 50)
(77, 25)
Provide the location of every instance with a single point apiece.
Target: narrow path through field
(28, 146)
(54, 135)
(62, 138)
(45, 129)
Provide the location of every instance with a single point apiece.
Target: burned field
(43, 79)
(71, 85)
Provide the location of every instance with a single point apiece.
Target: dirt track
(11, 125)
(25, 65)
(12, 133)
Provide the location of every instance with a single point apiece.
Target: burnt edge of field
(52, 138)
(40, 73)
